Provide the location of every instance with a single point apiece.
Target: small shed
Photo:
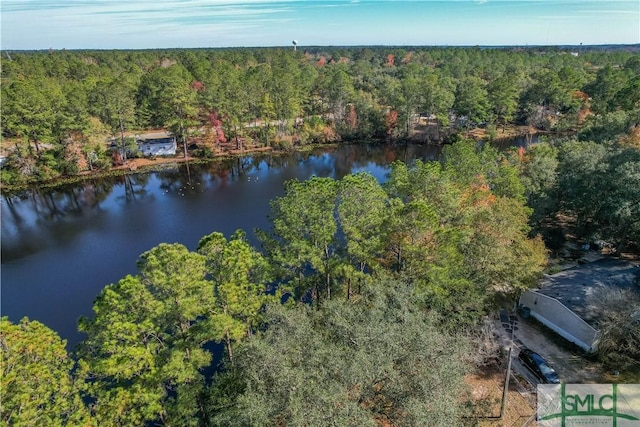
(157, 146)
(564, 302)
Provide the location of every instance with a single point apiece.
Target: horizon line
(567, 45)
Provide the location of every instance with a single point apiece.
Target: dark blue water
(60, 247)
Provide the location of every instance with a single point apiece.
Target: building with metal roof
(567, 302)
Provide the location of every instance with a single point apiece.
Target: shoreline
(145, 164)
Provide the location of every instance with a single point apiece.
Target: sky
(142, 24)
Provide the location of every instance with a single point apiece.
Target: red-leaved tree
(215, 121)
(197, 85)
(390, 60)
(391, 121)
(352, 117)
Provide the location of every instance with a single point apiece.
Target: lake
(61, 246)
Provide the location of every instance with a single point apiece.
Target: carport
(564, 301)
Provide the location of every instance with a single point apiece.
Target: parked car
(536, 364)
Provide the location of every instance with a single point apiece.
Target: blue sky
(136, 24)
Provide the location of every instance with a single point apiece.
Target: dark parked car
(538, 366)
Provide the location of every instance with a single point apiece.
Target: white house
(564, 300)
(157, 146)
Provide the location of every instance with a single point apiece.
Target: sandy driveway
(571, 364)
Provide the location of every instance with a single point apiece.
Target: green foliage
(463, 238)
(315, 131)
(336, 86)
(539, 174)
(171, 101)
(619, 343)
(144, 352)
(376, 359)
(499, 254)
(581, 166)
(607, 127)
(595, 184)
(370, 123)
(471, 101)
(629, 96)
(455, 234)
(303, 237)
(30, 109)
(226, 92)
(546, 99)
(503, 94)
(455, 239)
(363, 210)
(239, 274)
(605, 88)
(36, 379)
(50, 98)
(438, 96)
(115, 102)
(121, 353)
(424, 242)
(460, 238)
(423, 181)
(284, 89)
(144, 345)
(471, 165)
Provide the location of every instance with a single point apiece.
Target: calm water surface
(61, 247)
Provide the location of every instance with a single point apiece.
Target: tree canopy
(37, 382)
(350, 313)
(375, 359)
(53, 101)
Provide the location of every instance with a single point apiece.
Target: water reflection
(61, 246)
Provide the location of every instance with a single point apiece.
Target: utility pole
(506, 385)
(505, 391)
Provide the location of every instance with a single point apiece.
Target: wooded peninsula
(367, 302)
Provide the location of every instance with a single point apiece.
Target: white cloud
(615, 12)
(38, 24)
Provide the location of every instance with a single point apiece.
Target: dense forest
(365, 303)
(362, 307)
(59, 108)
